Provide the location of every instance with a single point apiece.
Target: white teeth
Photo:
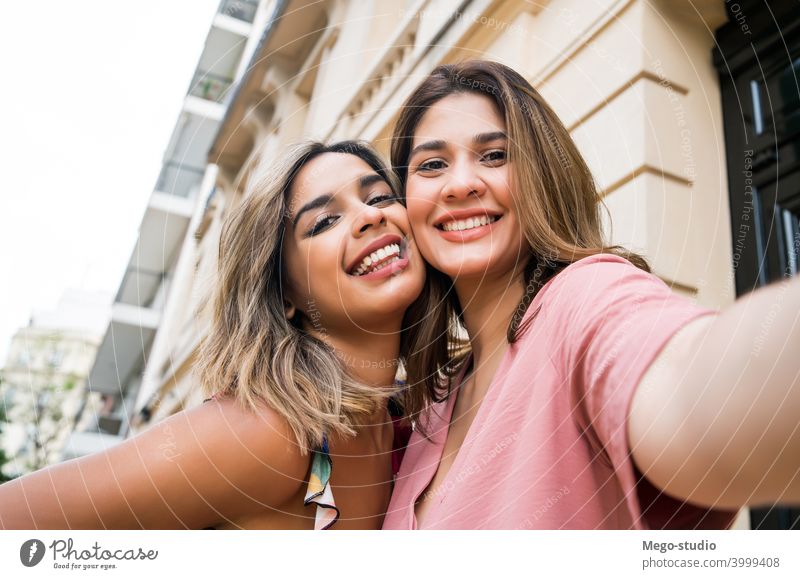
(469, 223)
(372, 259)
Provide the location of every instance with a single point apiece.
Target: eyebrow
(363, 182)
(484, 138)
(316, 203)
(369, 180)
(438, 145)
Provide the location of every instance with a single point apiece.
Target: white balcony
(241, 10)
(219, 62)
(211, 87)
(179, 180)
(124, 349)
(186, 154)
(161, 234)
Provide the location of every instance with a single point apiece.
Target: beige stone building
(663, 97)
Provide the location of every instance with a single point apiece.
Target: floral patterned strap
(319, 488)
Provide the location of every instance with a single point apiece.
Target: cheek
(398, 215)
(295, 284)
(311, 267)
(504, 188)
(421, 210)
(419, 213)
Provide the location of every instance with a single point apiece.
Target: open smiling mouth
(468, 223)
(392, 253)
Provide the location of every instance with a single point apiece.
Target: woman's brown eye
(386, 198)
(496, 156)
(434, 165)
(321, 224)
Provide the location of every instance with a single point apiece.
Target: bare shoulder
(252, 454)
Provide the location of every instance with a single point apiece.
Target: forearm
(740, 397)
(15, 506)
(47, 499)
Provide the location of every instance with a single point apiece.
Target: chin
(397, 298)
(478, 259)
(390, 297)
(474, 268)
(379, 318)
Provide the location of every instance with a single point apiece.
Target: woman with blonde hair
(590, 395)
(316, 271)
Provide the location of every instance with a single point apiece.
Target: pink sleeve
(617, 319)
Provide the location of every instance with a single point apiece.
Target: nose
(369, 216)
(462, 182)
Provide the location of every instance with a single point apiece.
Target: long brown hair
(252, 351)
(558, 205)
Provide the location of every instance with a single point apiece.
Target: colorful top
(319, 489)
(548, 447)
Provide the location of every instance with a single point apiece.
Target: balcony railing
(209, 86)
(179, 179)
(210, 198)
(240, 9)
(144, 288)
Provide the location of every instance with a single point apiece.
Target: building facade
(142, 314)
(644, 87)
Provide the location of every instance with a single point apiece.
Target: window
(759, 66)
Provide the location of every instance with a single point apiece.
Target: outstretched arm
(716, 418)
(208, 464)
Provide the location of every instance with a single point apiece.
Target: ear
(289, 310)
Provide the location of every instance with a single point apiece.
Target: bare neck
(371, 357)
(488, 305)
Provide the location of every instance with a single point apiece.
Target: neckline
(447, 415)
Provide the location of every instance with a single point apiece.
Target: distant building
(44, 390)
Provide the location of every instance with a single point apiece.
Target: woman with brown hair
(316, 271)
(585, 397)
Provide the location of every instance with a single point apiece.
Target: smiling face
(459, 190)
(348, 251)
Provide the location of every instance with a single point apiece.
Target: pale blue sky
(90, 93)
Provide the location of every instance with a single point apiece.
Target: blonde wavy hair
(558, 203)
(252, 351)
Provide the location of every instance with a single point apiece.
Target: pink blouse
(548, 447)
